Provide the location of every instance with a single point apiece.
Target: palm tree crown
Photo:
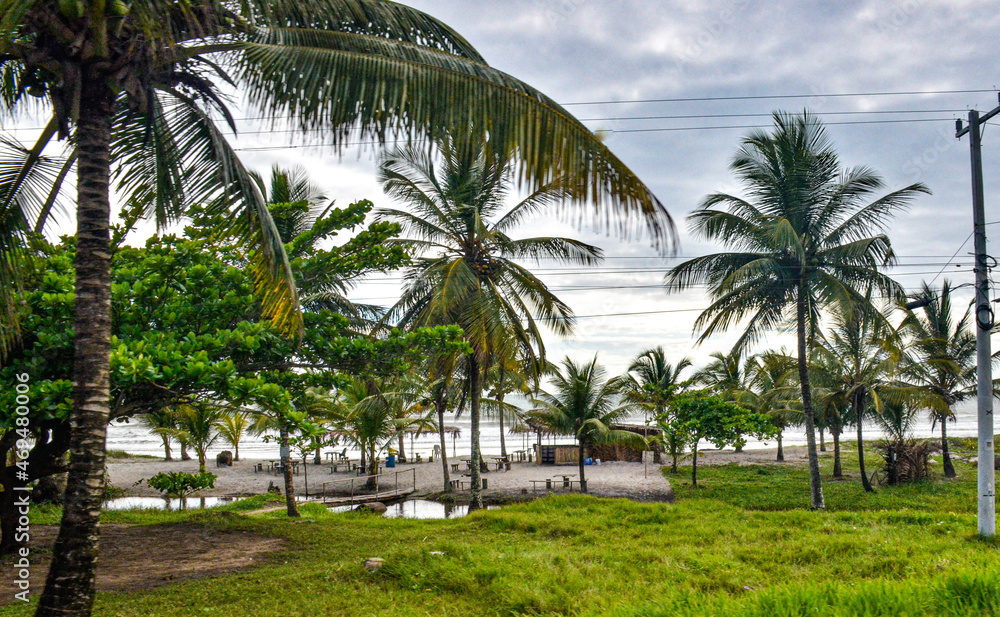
(802, 240)
(585, 404)
(471, 277)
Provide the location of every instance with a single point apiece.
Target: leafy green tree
(138, 84)
(472, 278)
(584, 403)
(38, 366)
(944, 353)
(802, 241)
(652, 382)
(697, 417)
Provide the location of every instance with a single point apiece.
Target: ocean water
(135, 438)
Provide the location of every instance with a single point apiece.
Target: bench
(458, 485)
(454, 467)
(547, 482)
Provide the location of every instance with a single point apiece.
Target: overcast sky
(585, 51)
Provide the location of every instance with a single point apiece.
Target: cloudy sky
(736, 57)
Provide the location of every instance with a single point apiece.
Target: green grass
(783, 486)
(745, 544)
(116, 454)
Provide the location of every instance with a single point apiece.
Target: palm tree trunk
(838, 471)
(781, 449)
(69, 587)
(184, 452)
(583, 480)
(166, 448)
(949, 468)
(286, 467)
(201, 460)
(317, 458)
(822, 439)
(440, 404)
(815, 481)
(858, 413)
(476, 499)
(236, 446)
(503, 442)
(694, 465)
(402, 452)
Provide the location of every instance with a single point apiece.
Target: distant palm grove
(236, 317)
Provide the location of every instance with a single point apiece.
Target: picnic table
(501, 462)
(275, 466)
(566, 479)
(341, 462)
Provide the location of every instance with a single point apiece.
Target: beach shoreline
(634, 481)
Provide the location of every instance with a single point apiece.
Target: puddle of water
(419, 509)
(162, 503)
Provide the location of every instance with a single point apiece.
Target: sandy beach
(610, 479)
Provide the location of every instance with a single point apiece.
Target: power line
(768, 115)
(767, 126)
(771, 97)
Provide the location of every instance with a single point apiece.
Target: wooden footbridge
(378, 487)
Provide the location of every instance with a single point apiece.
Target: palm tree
(944, 353)
(506, 376)
(726, 375)
(585, 404)
(138, 84)
(651, 382)
(460, 213)
(162, 422)
(231, 427)
(440, 388)
(196, 427)
(858, 365)
(804, 239)
(771, 376)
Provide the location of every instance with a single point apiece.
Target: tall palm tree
(944, 351)
(461, 217)
(585, 403)
(803, 239)
(138, 84)
(442, 392)
(651, 382)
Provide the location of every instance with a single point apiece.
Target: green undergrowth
(720, 550)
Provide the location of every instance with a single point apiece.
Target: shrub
(180, 484)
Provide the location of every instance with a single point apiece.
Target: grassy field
(743, 544)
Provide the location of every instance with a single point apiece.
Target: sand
(610, 479)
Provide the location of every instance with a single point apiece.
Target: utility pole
(984, 323)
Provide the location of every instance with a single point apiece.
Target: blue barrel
(390, 461)
(588, 461)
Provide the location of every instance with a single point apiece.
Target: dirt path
(169, 554)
